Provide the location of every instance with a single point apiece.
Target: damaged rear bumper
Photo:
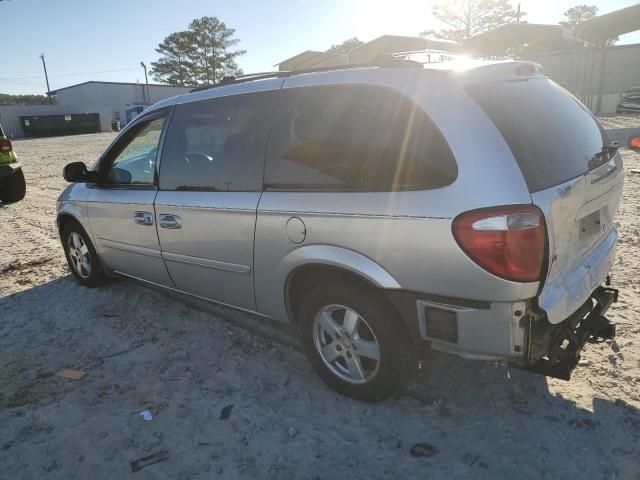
(554, 350)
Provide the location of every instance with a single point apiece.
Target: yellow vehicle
(12, 184)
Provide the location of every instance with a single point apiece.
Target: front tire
(353, 340)
(82, 257)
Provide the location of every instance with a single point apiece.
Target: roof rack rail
(382, 61)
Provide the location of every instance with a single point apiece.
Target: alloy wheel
(79, 255)
(346, 343)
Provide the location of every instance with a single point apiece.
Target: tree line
(6, 99)
(204, 53)
(465, 18)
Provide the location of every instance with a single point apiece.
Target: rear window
(355, 138)
(553, 137)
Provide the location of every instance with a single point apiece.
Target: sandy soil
(142, 350)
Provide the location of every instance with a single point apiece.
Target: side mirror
(77, 172)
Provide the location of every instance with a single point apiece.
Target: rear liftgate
(555, 351)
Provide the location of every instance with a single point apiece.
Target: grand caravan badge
(564, 190)
(610, 171)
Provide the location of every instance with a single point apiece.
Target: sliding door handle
(169, 221)
(143, 218)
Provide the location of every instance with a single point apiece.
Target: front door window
(136, 162)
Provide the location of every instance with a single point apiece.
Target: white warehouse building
(125, 100)
(111, 101)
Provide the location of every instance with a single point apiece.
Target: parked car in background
(378, 209)
(629, 101)
(12, 184)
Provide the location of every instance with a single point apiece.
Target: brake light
(507, 241)
(5, 145)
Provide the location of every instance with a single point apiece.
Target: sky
(107, 39)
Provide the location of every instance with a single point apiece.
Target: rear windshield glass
(553, 137)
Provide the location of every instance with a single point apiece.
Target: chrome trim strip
(160, 206)
(147, 205)
(247, 310)
(203, 262)
(125, 247)
(357, 215)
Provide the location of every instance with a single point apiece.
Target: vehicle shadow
(473, 419)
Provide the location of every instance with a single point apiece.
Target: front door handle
(170, 221)
(143, 218)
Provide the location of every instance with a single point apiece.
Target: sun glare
(372, 18)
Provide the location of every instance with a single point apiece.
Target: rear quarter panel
(408, 234)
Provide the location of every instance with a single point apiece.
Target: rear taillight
(5, 146)
(507, 241)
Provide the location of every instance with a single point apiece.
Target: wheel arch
(63, 219)
(312, 264)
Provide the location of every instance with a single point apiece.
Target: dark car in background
(629, 101)
(12, 185)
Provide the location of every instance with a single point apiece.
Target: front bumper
(9, 169)
(554, 350)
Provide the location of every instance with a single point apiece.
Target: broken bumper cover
(554, 350)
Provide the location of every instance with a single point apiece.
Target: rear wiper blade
(611, 149)
(603, 156)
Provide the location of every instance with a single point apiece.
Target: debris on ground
(226, 412)
(146, 415)
(71, 374)
(91, 429)
(143, 462)
(425, 450)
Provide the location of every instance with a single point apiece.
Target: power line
(70, 74)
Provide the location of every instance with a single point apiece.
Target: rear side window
(552, 136)
(217, 145)
(355, 138)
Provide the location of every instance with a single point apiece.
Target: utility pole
(518, 15)
(146, 80)
(44, 65)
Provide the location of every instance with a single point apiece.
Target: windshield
(553, 137)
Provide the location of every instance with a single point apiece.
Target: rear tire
(344, 357)
(14, 188)
(82, 257)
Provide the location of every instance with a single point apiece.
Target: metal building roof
(610, 25)
(498, 40)
(54, 92)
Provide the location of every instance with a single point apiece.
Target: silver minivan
(379, 209)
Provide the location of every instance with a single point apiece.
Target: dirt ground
(227, 403)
